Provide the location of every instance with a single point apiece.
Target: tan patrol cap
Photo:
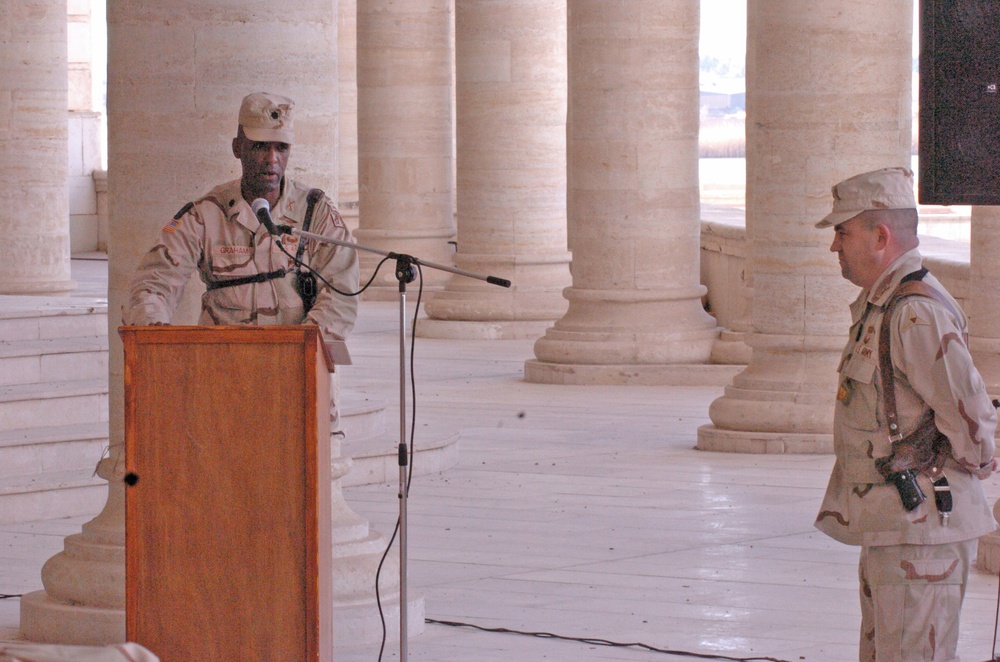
(888, 188)
(267, 118)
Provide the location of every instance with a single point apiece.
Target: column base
(391, 293)
(711, 438)
(46, 288)
(731, 349)
(988, 554)
(49, 621)
(360, 624)
(492, 330)
(674, 374)
(375, 460)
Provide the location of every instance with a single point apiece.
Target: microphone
(262, 209)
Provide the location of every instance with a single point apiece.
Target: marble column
(34, 194)
(347, 120)
(811, 122)
(983, 309)
(177, 72)
(511, 164)
(405, 137)
(635, 306)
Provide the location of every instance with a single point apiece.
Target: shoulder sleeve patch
(175, 222)
(338, 221)
(911, 319)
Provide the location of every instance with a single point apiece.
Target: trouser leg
(866, 648)
(915, 595)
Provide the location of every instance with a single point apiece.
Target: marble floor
(586, 513)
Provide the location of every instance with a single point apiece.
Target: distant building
(722, 97)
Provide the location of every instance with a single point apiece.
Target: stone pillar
(984, 331)
(984, 295)
(811, 122)
(511, 158)
(178, 70)
(34, 196)
(347, 120)
(80, 56)
(405, 137)
(635, 310)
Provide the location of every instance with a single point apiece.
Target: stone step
(35, 361)
(76, 447)
(53, 406)
(51, 495)
(25, 406)
(45, 318)
(361, 415)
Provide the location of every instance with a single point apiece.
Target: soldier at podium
(250, 279)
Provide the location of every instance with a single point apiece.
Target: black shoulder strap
(916, 275)
(185, 209)
(911, 285)
(315, 195)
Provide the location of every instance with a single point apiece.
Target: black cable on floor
(5, 596)
(605, 642)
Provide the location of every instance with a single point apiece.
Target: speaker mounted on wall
(959, 135)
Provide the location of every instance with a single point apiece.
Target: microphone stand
(405, 273)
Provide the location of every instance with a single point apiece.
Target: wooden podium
(227, 502)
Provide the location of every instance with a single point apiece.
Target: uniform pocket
(860, 399)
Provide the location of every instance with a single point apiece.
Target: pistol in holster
(923, 451)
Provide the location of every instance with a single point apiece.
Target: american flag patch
(172, 225)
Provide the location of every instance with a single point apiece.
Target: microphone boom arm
(399, 257)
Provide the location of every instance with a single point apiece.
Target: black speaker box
(959, 134)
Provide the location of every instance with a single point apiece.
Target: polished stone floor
(586, 513)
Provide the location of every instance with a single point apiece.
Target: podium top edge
(244, 333)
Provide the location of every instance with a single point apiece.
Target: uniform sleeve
(929, 349)
(334, 313)
(159, 280)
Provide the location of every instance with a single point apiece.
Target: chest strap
(245, 280)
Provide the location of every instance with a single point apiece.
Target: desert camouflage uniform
(221, 237)
(913, 568)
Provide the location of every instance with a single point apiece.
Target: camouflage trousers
(911, 598)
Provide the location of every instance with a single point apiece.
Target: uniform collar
(286, 211)
(291, 207)
(887, 283)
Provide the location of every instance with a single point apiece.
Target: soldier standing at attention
(249, 279)
(913, 430)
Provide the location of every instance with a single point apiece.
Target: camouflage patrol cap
(888, 188)
(267, 118)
